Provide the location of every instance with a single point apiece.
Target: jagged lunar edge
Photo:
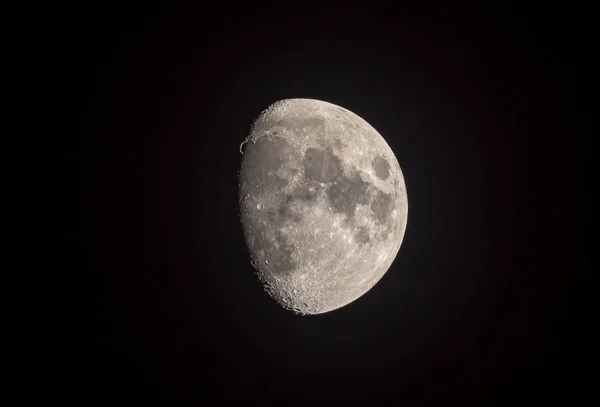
(323, 203)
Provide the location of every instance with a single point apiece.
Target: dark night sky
(164, 308)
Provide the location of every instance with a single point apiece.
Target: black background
(163, 308)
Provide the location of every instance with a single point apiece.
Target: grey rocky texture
(323, 204)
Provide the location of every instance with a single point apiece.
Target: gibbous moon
(323, 204)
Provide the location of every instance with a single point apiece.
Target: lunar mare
(323, 204)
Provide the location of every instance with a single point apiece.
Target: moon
(322, 203)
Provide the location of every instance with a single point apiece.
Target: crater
(321, 165)
(345, 193)
(381, 167)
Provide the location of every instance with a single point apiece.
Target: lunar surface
(323, 204)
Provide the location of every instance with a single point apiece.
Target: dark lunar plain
(163, 307)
